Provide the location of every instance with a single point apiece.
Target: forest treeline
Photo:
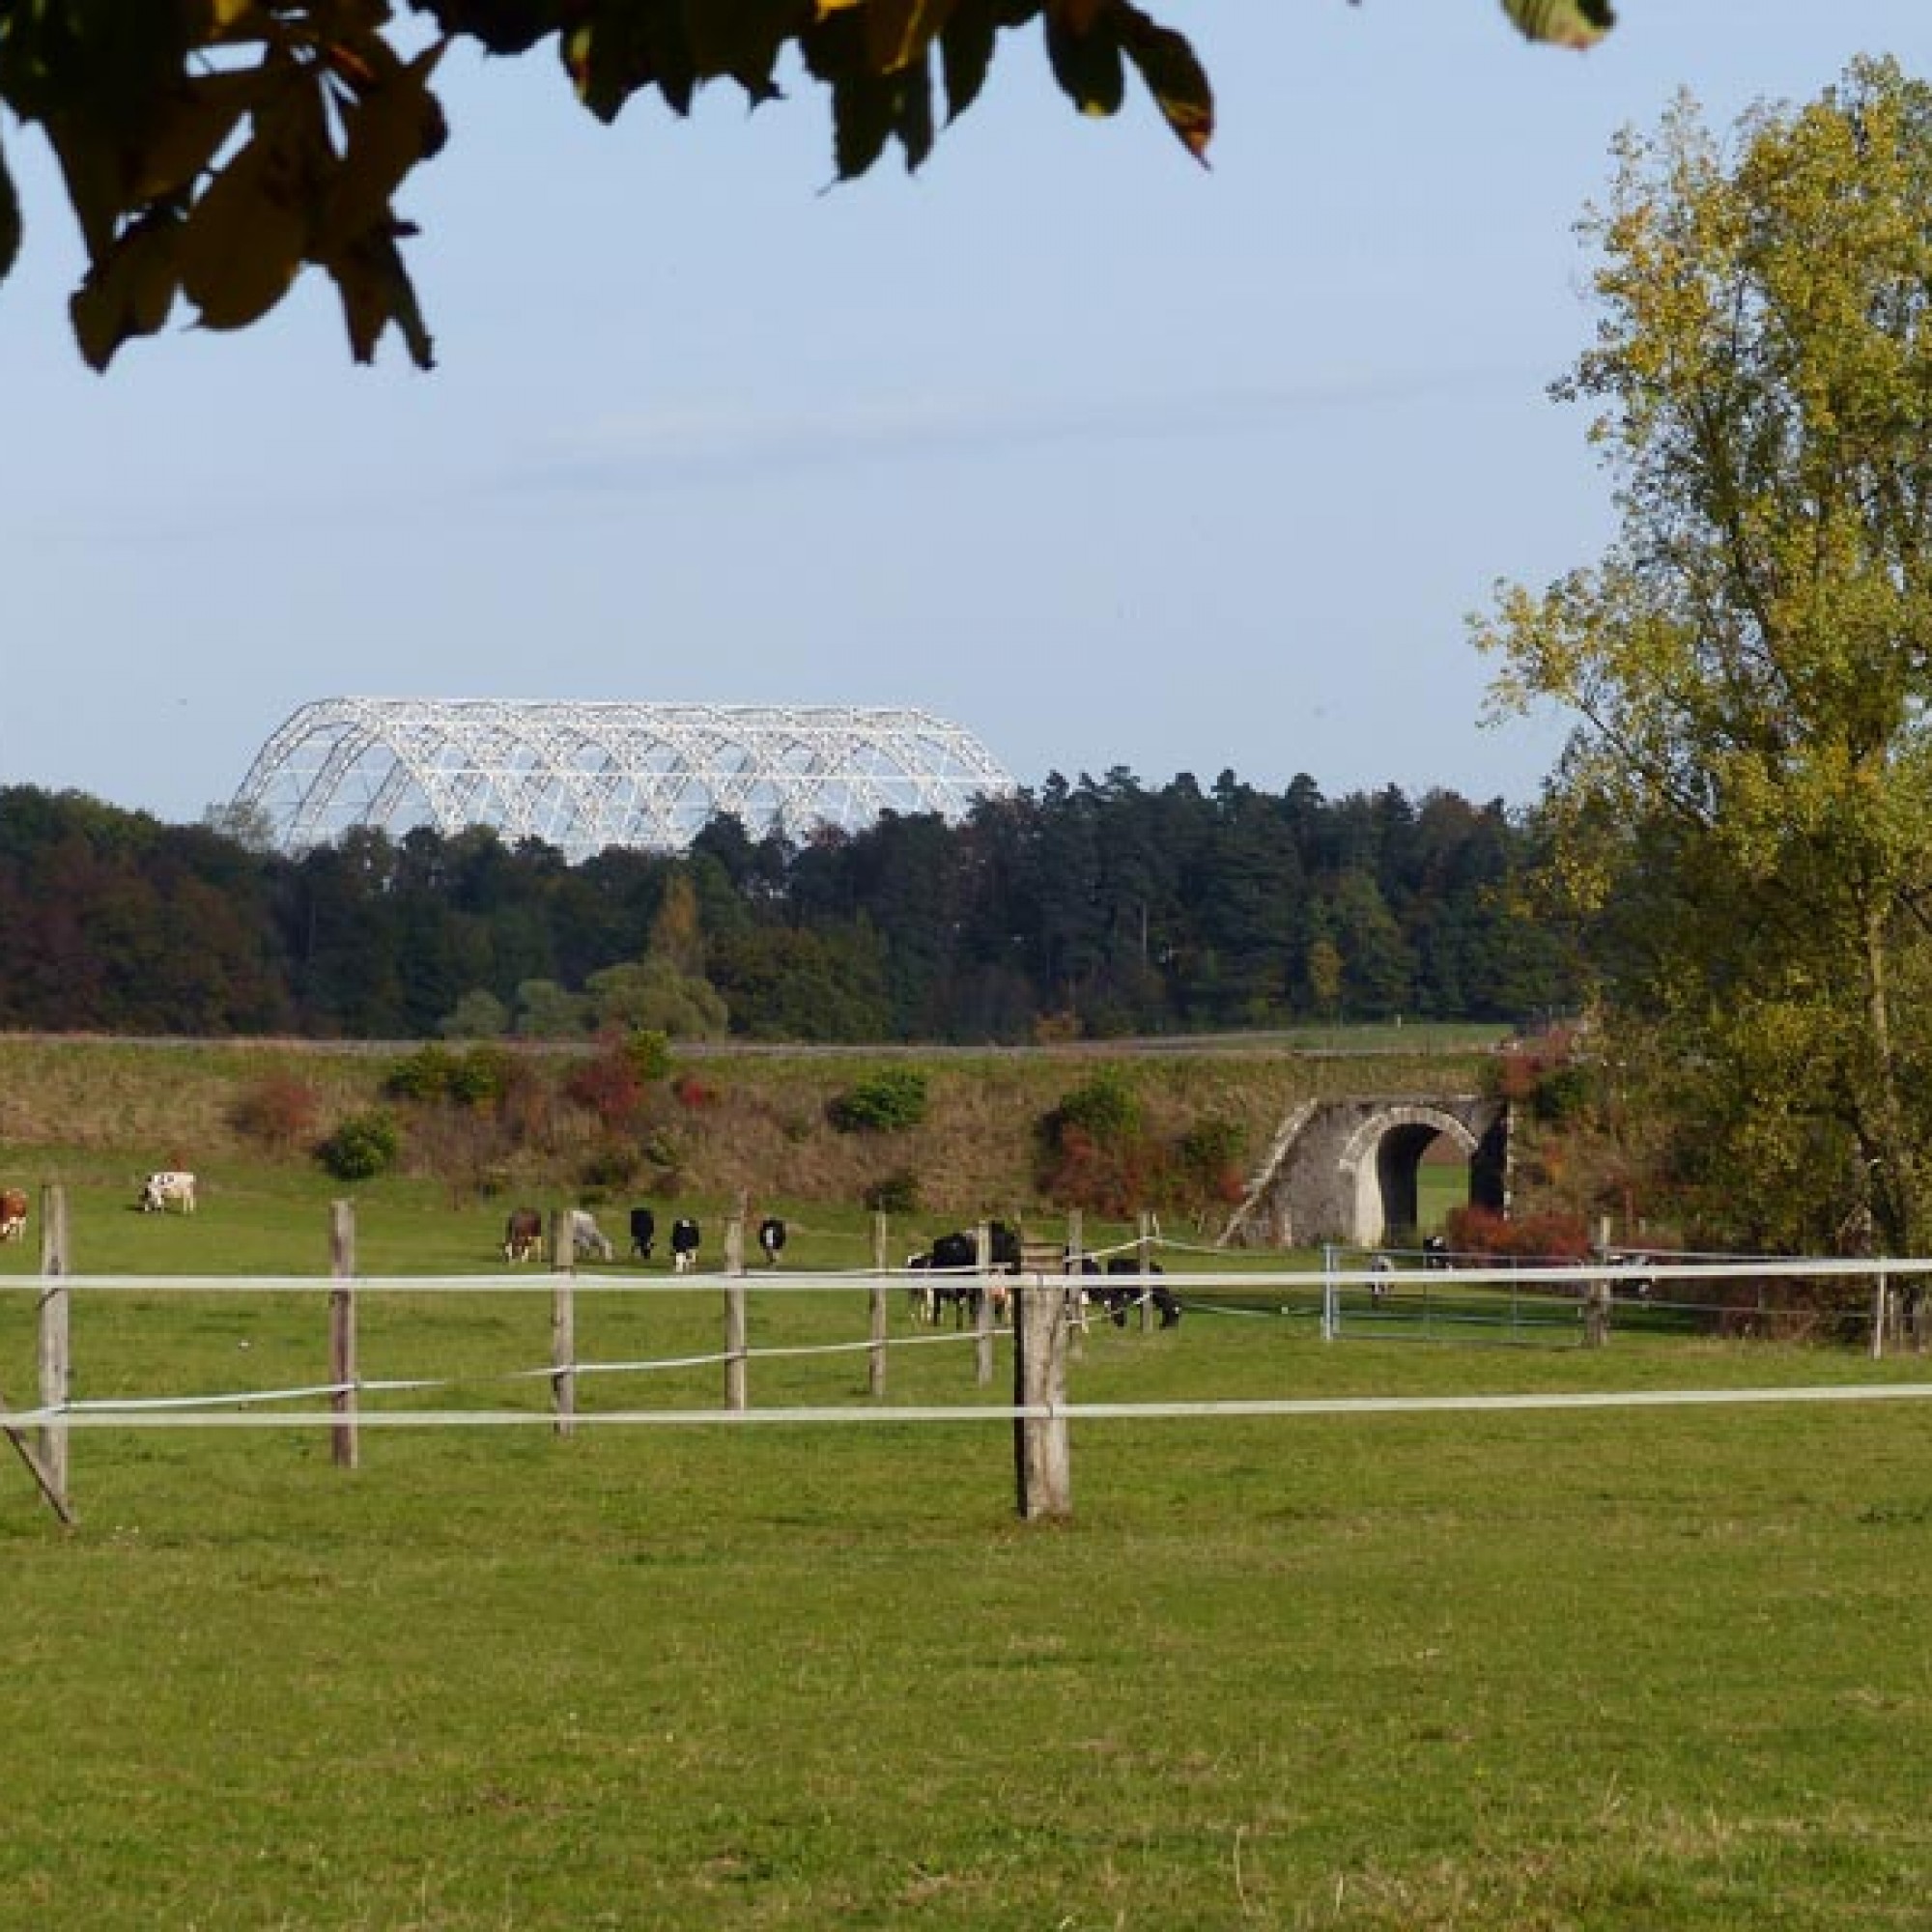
(1097, 908)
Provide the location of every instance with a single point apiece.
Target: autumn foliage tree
(214, 149)
(1744, 814)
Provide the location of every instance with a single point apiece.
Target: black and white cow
(954, 1260)
(1165, 1305)
(772, 1238)
(685, 1237)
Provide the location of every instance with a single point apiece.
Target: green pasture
(1645, 1669)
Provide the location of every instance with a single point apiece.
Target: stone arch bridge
(1347, 1169)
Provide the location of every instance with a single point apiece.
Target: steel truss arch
(583, 777)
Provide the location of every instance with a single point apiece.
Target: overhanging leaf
(1083, 46)
(90, 159)
(1174, 77)
(966, 52)
(864, 110)
(130, 292)
(376, 291)
(742, 38)
(1563, 23)
(625, 46)
(502, 26)
(245, 237)
(9, 220)
(396, 124)
(899, 32)
(914, 124)
(190, 128)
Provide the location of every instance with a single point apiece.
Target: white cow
(170, 1187)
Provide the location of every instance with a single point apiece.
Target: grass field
(1592, 1669)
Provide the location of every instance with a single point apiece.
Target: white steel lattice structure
(581, 777)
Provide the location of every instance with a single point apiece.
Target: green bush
(1209, 1159)
(362, 1147)
(1093, 1153)
(886, 1102)
(476, 1078)
(426, 1075)
(482, 1076)
(664, 1153)
(894, 1193)
(608, 1169)
(1105, 1109)
(648, 1052)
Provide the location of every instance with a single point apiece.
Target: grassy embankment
(98, 1113)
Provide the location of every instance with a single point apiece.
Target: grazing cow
(952, 1257)
(523, 1234)
(168, 1187)
(955, 1259)
(1381, 1271)
(1074, 1264)
(587, 1240)
(1165, 1304)
(643, 1232)
(918, 1293)
(772, 1238)
(12, 1215)
(685, 1235)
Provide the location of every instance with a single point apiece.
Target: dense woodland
(1095, 909)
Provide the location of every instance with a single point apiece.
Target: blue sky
(1112, 459)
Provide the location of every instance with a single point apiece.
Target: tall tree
(1745, 804)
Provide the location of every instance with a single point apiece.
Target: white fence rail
(1349, 1296)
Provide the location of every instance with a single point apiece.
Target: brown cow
(12, 1214)
(523, 1234)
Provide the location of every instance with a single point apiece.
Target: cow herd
(949, 1281)
(523, 1228)
(947, 1277)
(168, 1189)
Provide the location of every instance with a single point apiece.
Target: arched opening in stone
(1405, 1204)
(1386, 1158)
(1443, 1179)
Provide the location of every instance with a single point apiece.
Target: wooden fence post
(1597, 1314)
(564, 1322)
(875, 1355)
(1043, 1460)
(344, 1442)
(1880, 1310)
(1073, 1262)
(54, 1355)
(1143, 1250)
(737, 1394)
(982, 1305)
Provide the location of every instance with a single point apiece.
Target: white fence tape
(104, 1416)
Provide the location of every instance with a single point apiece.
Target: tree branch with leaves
(211, 150)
